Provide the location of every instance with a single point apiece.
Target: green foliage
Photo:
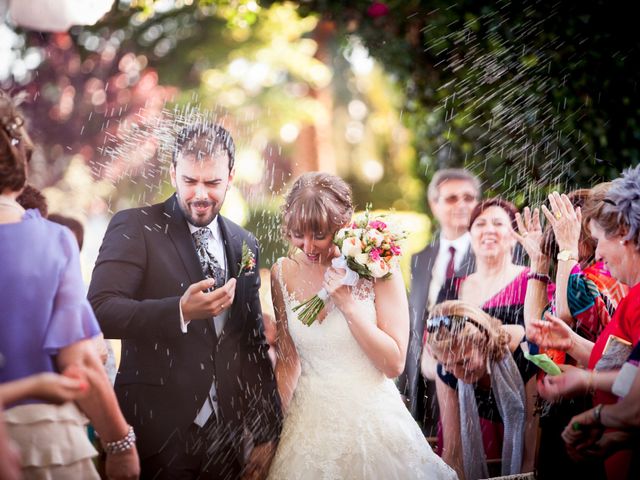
(527, 94)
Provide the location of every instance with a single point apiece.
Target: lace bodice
(327, 349)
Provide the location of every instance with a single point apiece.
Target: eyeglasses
(453, 323)
(453, 199)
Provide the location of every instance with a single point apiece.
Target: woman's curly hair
(623, 200)
(616, 206)
(469, 325)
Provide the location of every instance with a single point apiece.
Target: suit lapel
(181, 237)
(232, 247)
(429, 259)
(233, 251)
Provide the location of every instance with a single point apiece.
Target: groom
(195, 380)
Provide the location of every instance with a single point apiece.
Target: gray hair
(624, 198)
(446, 174)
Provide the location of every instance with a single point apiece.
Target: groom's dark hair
(204, 138)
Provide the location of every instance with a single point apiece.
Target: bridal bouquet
(370, 249)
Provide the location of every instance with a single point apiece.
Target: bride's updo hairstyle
(455, 324)
(317, 202)
(15, 146)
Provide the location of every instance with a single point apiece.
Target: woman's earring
(623, 242)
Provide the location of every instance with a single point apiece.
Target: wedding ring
(558, 216)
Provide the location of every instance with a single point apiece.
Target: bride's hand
(339, 293)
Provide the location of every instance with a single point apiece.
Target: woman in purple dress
(47, 326)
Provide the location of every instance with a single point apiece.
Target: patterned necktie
(208, 263)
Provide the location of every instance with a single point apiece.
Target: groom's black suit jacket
(146, 262)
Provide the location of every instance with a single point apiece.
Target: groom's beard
(199, 213)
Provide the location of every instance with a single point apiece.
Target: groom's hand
(257, 466)
(196, 303)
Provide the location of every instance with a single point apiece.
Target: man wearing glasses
(452, 195)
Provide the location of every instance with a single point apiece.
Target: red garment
(626, 325)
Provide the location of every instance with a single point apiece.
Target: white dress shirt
(439, 271)
(215, 247)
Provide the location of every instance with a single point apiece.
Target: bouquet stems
(309, 310)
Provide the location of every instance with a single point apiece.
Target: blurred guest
(104, 347)
(482, 377)
(498, 285)
(452, 195)
(31, 197)
(50, 329)
(586, 297)
(72, 224)
(615, 225)
(586, 294)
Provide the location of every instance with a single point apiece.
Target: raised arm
(530, 237)
(287, 364)
(565, 221)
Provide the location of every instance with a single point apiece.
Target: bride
(344, 415)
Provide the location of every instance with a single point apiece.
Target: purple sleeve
(72, 318)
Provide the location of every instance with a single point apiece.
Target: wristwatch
(566, 255)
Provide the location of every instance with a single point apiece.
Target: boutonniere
(248, 260)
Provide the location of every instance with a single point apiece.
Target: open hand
(530, 234)
(550, 333)
(197, 303)
(565, 220)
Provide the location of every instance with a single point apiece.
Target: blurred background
(530, 95)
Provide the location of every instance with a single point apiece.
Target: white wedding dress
(347, 420)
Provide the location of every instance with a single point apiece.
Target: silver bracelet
(122, 445)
